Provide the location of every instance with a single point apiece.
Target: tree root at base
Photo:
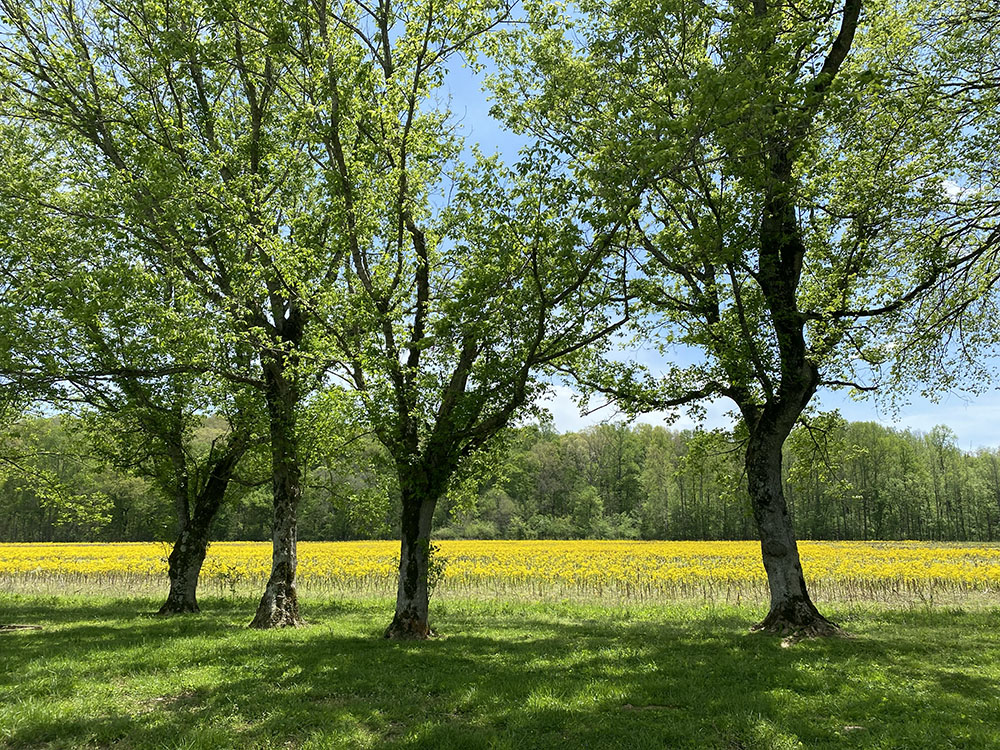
(278, 608)
(794, 632)
(408, 631)
(277, 620)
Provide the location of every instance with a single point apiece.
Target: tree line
(265, 211)
(843, 480)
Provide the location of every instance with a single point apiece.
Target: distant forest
(843, 480)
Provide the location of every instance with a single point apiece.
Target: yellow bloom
(610, 570)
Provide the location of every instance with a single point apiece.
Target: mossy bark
(279, 605)
(189, 550)
(791, 609)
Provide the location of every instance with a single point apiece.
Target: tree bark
(188, 553)
(420, 497)
(791, 610)
(782, 254)
(279, 606)
(185, 561)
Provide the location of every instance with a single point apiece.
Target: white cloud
(955, 191)
(566, 416)
(975, 421)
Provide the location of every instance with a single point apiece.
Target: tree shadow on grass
(518, 681)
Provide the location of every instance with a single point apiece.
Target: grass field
(103, 673)
(544, 645)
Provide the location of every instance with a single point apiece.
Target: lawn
(105, 673)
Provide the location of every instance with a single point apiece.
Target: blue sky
(975, 420)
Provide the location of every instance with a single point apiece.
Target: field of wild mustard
(623, 571)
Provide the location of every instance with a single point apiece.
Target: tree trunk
(188, 554)
(410, 621)
(185, 563)
(420, 492)
(279, 606)
(791, 611)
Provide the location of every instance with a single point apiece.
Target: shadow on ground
(503, 677)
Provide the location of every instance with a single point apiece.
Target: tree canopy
(262, 211)
(805, 179)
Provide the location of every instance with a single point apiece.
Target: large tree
(801, 173)
(178, 135)
(289, 162)
(102, 332)
(466, 279)
(461, 349)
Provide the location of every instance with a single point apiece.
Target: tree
(158, 440)
(106, 337)
(466, 279)
(796, 164)
(338, 170)
(57, 494)
(179, 134)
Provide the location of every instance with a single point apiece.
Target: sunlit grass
(104, 673)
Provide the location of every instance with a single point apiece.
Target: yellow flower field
(606, 570)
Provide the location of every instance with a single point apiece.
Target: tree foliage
(262, 211)
(802, 187)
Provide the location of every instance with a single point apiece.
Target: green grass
(104, 673)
